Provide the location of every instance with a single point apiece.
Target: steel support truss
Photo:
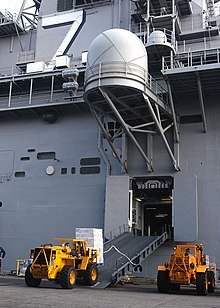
(28, 15)
(157, 125)
(201, 101)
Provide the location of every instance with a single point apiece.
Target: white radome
(117, 45)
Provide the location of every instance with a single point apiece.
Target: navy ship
(109, 119)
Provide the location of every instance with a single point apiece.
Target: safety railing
(116, 69)
(127, 261)
(116, 232)
(10, 71)
(203, 43)
(26, 56)
(194, 58)
(133, 71)
(141, 32)
(162, 230)
(29, 56)
(6, 16)
(161, 235)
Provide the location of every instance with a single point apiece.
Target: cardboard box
(94, 238)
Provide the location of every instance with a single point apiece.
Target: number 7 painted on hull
(77, 19)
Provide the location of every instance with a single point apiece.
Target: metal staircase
(124, 253)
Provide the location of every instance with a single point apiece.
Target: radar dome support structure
(118, 86)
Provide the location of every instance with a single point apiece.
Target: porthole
(50, 170)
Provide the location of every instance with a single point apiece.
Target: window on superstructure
(80, 3)
(64, 5)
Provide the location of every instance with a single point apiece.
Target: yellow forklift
(63, 264)
(188, 265)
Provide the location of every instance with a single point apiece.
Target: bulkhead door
(117, 205)
(185, 207)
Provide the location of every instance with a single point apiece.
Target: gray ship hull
(109, 152)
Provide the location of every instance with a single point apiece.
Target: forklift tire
(163, 281)
(211, 281)
(57, 279)
(201, 283)
(90, 276)
(30, 280)
(68, 277)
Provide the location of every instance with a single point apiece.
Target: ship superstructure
(109, 119)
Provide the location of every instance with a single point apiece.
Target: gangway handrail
(117, 275)
(116, 232)
(161, 239)
(142, 254)
(164, 228)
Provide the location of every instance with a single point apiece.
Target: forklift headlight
(166, 264)
(192, 265)
(53, 257)
(32, 254)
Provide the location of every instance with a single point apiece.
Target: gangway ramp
(124, 253)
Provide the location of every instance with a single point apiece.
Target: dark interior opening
(154, 195)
